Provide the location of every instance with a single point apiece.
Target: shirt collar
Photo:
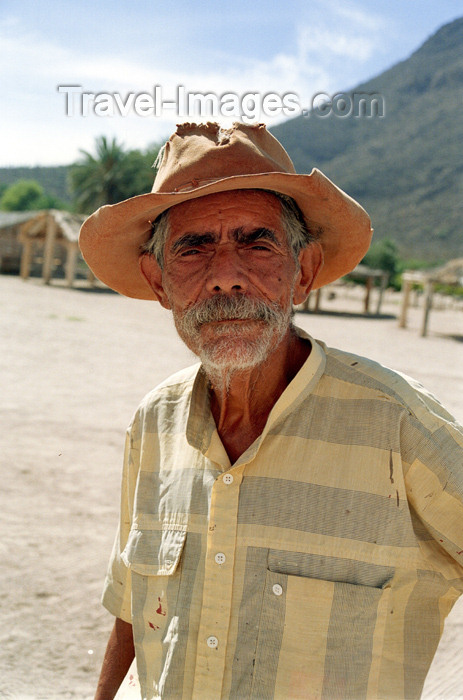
(201, 431)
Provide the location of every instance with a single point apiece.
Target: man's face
(228, 275)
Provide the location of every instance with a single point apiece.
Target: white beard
(233, 347)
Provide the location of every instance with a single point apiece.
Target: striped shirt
(321, 564)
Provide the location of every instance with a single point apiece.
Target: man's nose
(225, 272)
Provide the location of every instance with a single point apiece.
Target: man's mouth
(231, 320)
(227, 320)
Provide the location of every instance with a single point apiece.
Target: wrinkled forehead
(234, 208)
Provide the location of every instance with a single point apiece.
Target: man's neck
(241, 401)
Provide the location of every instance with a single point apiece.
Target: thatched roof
(14, 218)
(363, 271)
(68, 225)
(450, 273)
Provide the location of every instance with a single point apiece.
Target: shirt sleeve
(433, 449)
(117, 587)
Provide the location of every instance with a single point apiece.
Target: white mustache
(223, 307)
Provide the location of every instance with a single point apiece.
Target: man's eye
(259, 246)
(190, 251)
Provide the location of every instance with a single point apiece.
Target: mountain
(405, 168)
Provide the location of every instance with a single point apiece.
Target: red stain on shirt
(160, 611)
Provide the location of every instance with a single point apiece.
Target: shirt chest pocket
(156, 550)
(323, 634)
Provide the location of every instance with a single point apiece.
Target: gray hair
(298, 234)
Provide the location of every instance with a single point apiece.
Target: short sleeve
(117, 587)
(434, 479)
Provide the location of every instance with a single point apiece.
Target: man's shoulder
(169, 391)
(177, 381)
(372, 379)
(363, 371)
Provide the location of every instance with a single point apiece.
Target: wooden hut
(449, 274)
(10, 247)
(362, 272)
(56, 233)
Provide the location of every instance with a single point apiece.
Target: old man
(291, 515)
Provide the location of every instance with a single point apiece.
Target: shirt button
(228, 479)
(212, 642)
(220, 558)
(277, 589)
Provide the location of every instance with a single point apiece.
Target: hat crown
(197, 154)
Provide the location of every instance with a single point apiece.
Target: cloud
(341, 36)
(339, 44)
(330, 41)
(357, 16)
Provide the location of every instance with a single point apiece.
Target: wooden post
(71, 257)
(406, 287)
(49, 249)
(381, 293)
(26, 257)
(429, 289)
(367, 294)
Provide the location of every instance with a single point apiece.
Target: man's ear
(152, 273)
(311, 262)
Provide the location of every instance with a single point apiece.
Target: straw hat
(201, 159)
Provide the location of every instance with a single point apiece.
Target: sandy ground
(75, 364)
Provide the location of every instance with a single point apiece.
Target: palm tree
(112, 175)
(98, 180)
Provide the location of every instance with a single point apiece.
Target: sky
(129, 58)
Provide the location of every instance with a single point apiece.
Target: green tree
(27, 195)
(98, 180)
(110, 176)
(139, 171)
(383, 255)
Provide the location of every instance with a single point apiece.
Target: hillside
(407, 167)
(53, 179)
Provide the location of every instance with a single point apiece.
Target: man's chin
(231, 352)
